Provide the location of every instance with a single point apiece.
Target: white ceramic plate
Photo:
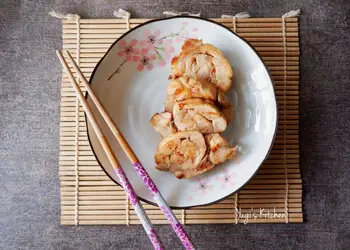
(138, 90)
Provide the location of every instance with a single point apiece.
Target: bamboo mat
(274, 195)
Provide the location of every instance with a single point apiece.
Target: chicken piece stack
(197, 110)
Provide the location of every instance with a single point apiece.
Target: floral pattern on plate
(226, 179)
(153, 50)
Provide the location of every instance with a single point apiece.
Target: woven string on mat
(284, 117)
(288, 14)
(176, 13)
(123, 14)
(239, 15)
(76, 141)
(234, 18)
(76, 144)
(234, 27)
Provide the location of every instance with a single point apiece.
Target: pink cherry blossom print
(195, 29)
(155, 241)
(226, 179)
(145, 60)
(169, 49)
(152, 39)
(179, 230)
(128, 50)
(167, 214)
(189, 198)
(203, 185)
(145, 178)
(127, 186)
(162, 62)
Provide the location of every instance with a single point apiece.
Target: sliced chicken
(196, 114)
(226, 106)
(220, 149)
(203, 62)
(185, 87)
(163, 123)
(183, 154)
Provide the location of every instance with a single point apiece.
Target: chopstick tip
(67, 53)
(58, 52)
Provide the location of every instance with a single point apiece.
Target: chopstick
(175, 224)
(134, 200)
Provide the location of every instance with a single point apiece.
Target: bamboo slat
(276, 189)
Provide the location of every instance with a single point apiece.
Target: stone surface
(29, 129)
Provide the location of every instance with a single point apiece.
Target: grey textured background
(29, 129)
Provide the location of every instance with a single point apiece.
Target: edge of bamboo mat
(277, 188)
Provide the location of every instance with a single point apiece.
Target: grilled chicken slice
(163, 123)
(226, 106)
(185, 87)
(220, 149)
(184, 154)
(200, 115)
(203, 62)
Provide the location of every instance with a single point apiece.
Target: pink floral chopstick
(147, 225)
(175, 224)
(170, 216)
(139, 210)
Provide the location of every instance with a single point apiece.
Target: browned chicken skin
(203, 62)
(188, 154)
(226, 106)
(163, 123)
(220, 149)
(200, 115)
(184, 87)
(196, 111)
(182, 153)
